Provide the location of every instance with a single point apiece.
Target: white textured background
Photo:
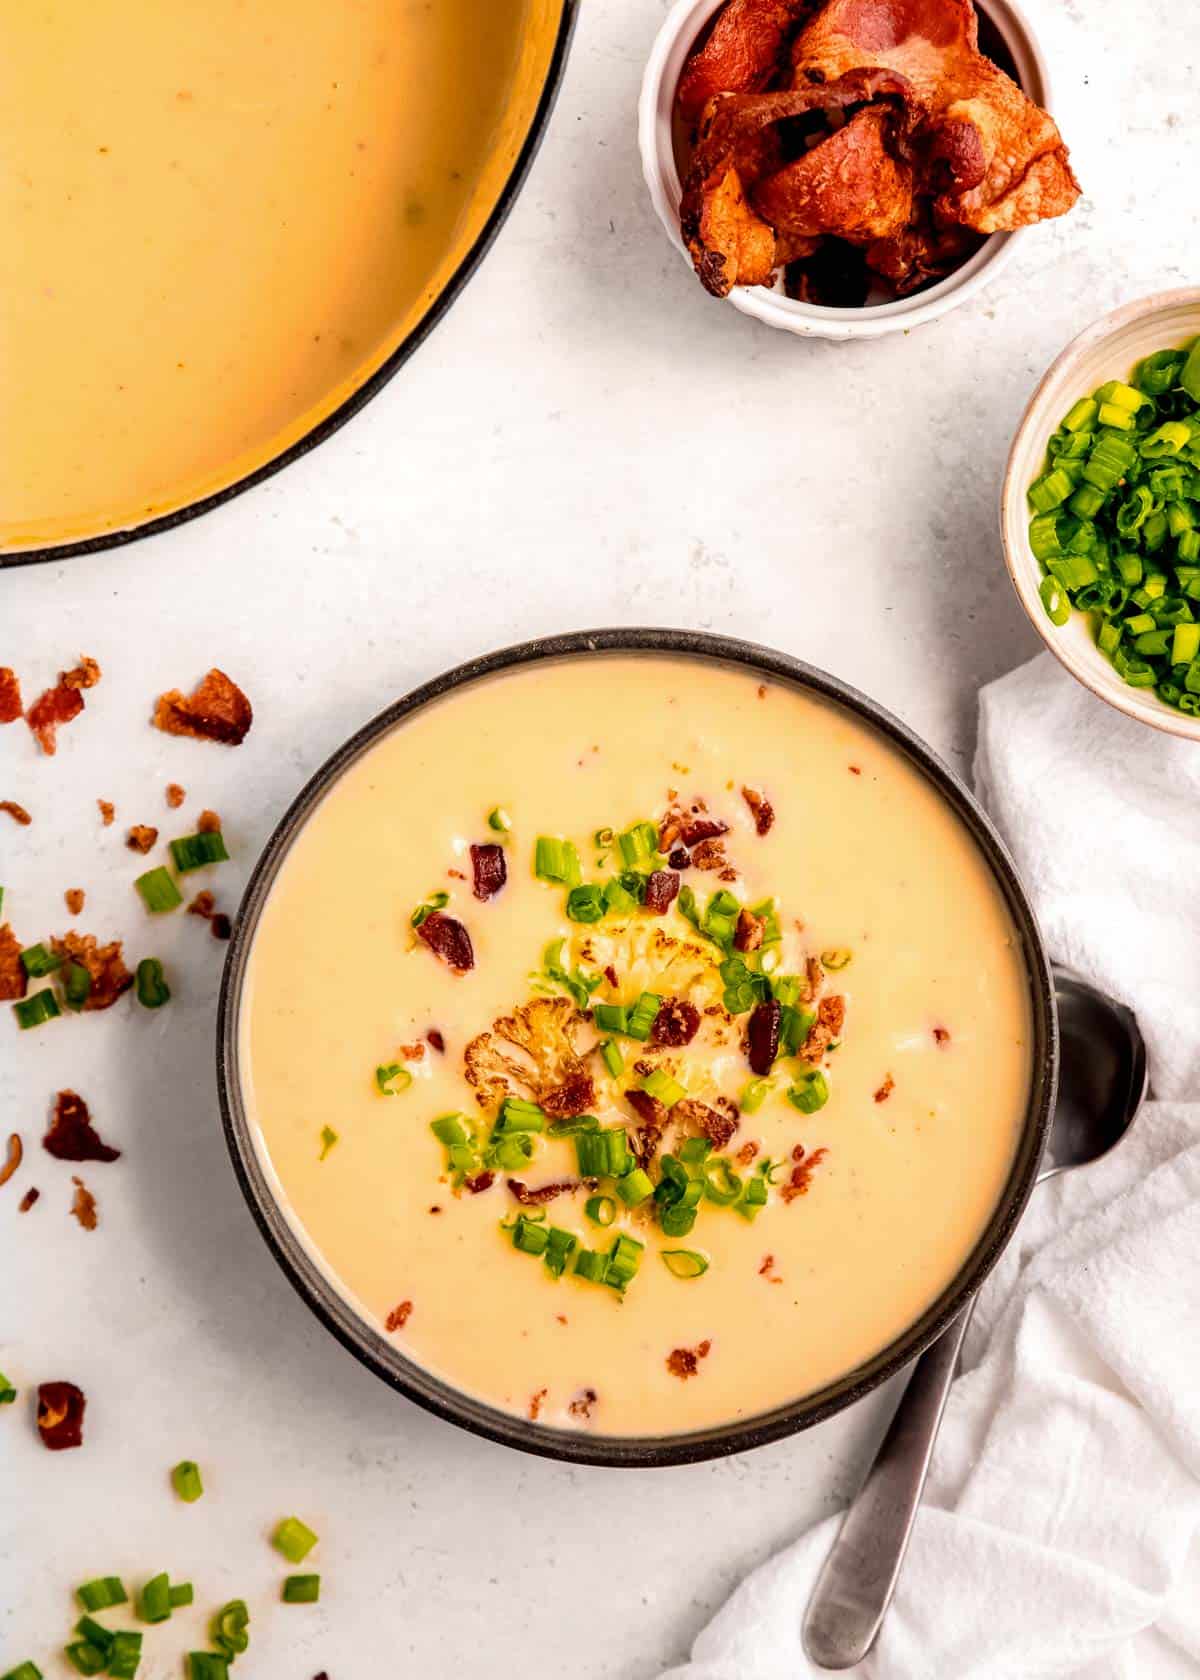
(587, 439)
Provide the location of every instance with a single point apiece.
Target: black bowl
(402, 1373)
(376, 381)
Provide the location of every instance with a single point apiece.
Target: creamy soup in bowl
(635, 1047)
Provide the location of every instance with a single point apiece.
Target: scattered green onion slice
(392, 1078)
(601, 1210)
(586, 903)
(517, 1115)
(152, 988)
(809, 1092)
(684, 1262)
(230, 1628)
(755, 1094)
(302, 1589)
(102, 1593)
(37, 961)
(634, 1187)
(194, 851)
(23, 1671)
(328, 1138)
(94, 1633)
(556, 860)
(294, 1539)
(86, 1658)
(435, 901)
(33, 1011)
(663, 1088)
(76, 985)
(836, 959)
(124, 1655)
(722, 1185)
(499, 820)
(185, 1479)
(7, 1392)
(642, 1016)
(155, 1602)
(158, 890)
(181, 1593)
(612, 1058)
(207, 1665)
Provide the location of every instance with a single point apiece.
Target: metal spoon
(1102, 1082)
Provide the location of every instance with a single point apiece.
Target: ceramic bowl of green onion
(1100, 511)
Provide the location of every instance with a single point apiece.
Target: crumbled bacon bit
(886, 1089)
(746, 1154)
(222, 927)
(708, 1122)
(84, 1205)
(412, 1052)
(662, 888)
(854, 770)
(697, 827)
(481, 1181)
(10, 695)
(18, 813)
(71, 1136)
(940, 1035)
(110, 977)
(560, 1318)
(814, 978)
(27, 1200)
(750, 931)
(767, 1267)
(710, 854)
(74, 898)
(583, 1402)
(802, 1172)
(449, 940)
(203, 905)
(762, 691)
(107, 811)
(84, 675)
(60, 1415)
(762, 1035)
(490, 870)
(831, 1017)
(13, 978)
(16, 1151)
(438, 1042)
(535, 1403)
(544, 1193)
(676, 1023)
(216, 710)
(680, 858)
(643, 1066)
(175, 795)
(610, 974)
(398, 1317)
(684, 1362)
(653, 1115)
(761, 810)
(51, 709)
(208, 822)
(140, 838)
(456, 874)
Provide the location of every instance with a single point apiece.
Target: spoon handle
(855, 1586)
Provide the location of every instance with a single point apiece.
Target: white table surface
(587, 439)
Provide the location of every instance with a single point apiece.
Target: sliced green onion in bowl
(684, 1262)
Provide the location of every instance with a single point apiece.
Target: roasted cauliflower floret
(532, 1053)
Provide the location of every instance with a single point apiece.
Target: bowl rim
(371, 386)
(789, 314)
(739, 1435)
(1083, 661)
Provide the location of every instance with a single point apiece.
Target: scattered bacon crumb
(746, 1154)
(886, 1089)
(481, 1181)
(107, 811)
(855, 770)
(684, 1362)
(449, 940)
(456, 874)
(203, 905)
(662, 889)
(222, 927)
(535, 1403)
(71, 1136)
(691, 825)
(544, 1193)
(717, 1128)
(10, 695)
(208, 822)
(27, 1200)
(84, 675)
(762, 1036)
(140, 838)
(84, 1205)
(74, 898)
(60, 1415)
(610, 974)
(13, 978)
(750, 931)
(802, 1172)
(435, 1038)
(561, 1318)
(676, 1023)
(216, 710)
(710, 854)
(768, 1262)
(762, 691)
(412, 1052)
(940, 1035)
(175, 795)
(831, 1017)
(110, 977)
(490, 869)
(583, 1402)
(13, 1160)
(761, 809)
(398, 1317)
(18, 813)
(55, 707)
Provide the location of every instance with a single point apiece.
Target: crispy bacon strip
(851, 185)
(216, 710)
(71, 1136)
(13, 978)
(50, 711)
(741, 55)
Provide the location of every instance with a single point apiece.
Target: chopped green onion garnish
(230, 1628)
(661, 1086)
(328, 1138)
(721, 1184)
(499, 820)
(590, 1265)
(23, 1671)
(624, 893)
(530, 1235)
(612, 1058)
(76, 985)
(556, 860)
(755, 1094)
(684, 1262)
(603, 1153)
(155, 1605)
(102, 1593)
(642, 1016)
(7, 1392)
(809, 1092)
(601, 1210)
(639, 846)
(835, 959)
(158, 890)
(37, 961)
(86, 1658)
(560, 1245)
(181, 1594)
(752, 1198)
(586, 903)
(302, 1589)
(392, 1078)
(194, 851)
(634, 1187)
(435, 901)
(624, 1258)
(185, 1479)
(207, 1665)
(294, 1539)
(95, 1633)
(611, 1017)
(124, 1655)
(33, 1011)
(517, 1115)
(152, 988)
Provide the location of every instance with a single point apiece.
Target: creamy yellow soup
(217, 221)
(874, 880)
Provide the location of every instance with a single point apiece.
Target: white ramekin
(1109, 349)
(674, 42)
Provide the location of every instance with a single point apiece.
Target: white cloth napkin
(1060, 1533)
